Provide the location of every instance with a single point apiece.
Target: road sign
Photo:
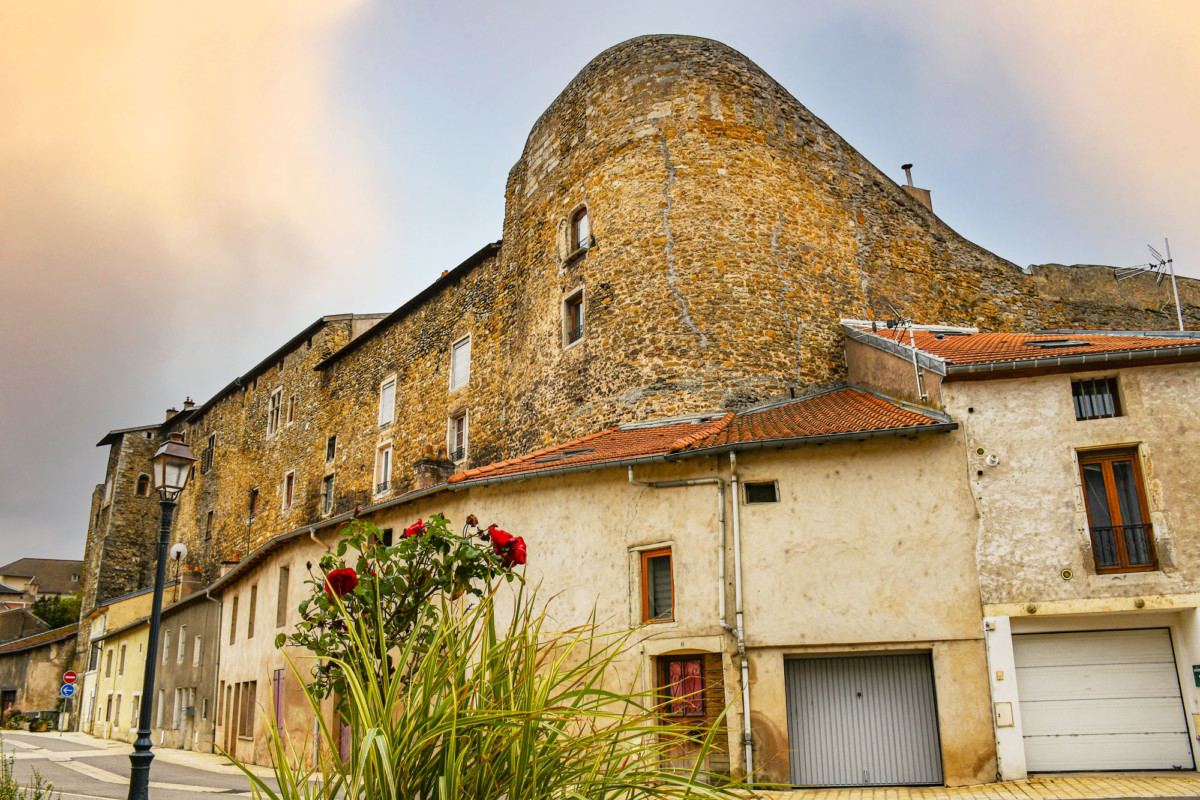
(70, 677)
(67, 690)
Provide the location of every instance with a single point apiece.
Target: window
(206, 455)
(291, 415)
(327, 494)
(460, 363)
(274, 410)
(117, 711)
(161, 702)
(457, 444)
(94, 657)
(762, 492)
(197, 646)
(108, 663)
(250, 611)
(204, 708)
(1096, 398)
(277, 697)
(658, 604)
(682, 682)
(1122, 537)
(143, 485)
(330, 448)
(137, 711)
(573, 318)
(289, 489)
(387, 402)
(281, 601)
(581, 235)
(253, 502)
(166, 648)
(121, 662)
(387, 537)
(246, 710)
(182, 644)
(208, 526)
(383, 468)
(233, 620)
(108, 708)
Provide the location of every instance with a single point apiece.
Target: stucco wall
(1033, 521)
(871, 547)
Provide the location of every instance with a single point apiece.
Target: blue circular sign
(67, 690)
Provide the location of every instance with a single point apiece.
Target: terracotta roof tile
(844, 410)
(985, 348)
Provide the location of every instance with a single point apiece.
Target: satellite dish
(178, 552)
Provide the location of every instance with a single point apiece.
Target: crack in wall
(782, 301)
(669, 245)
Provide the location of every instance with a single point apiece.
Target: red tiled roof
(988, 348)
(842, 411)
(848, 410)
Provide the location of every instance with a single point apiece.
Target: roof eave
(1104, 358)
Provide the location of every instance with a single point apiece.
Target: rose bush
(365, 578)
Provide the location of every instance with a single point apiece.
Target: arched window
(581, 234)
(143, 485)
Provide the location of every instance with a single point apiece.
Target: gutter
(1122, 356)
(923, 360)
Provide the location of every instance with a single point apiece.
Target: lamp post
(172, 468)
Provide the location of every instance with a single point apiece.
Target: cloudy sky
(185, 186)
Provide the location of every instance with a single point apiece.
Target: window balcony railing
(574, 334)
(380, 488)
(1124, 548)
(458, 454)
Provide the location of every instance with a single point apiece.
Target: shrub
(38, 789)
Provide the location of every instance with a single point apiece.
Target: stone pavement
(1059, 787)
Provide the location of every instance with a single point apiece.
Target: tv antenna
(1161, 266)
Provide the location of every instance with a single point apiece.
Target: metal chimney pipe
(907, 172)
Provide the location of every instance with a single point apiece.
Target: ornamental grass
(492, 704)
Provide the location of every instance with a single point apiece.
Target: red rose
(340, 582)
(499, 538)
(514, 553)
(416, 529)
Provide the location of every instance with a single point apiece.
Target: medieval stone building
(680, 236)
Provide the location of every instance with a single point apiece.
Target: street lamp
(172, 468)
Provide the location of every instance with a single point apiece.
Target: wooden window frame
(452, 451)
(580, 242)
(274, 411)
(646, 555)
(574, 300)
(327, 494)
(142, 489)
(1107, 457)
(1114, 390)
(383, 473)
(664, 684)
(289, 489)
(330, 448)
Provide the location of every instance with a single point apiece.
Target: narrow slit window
(387, 402)
(330, 448)
(458, 437)
(383, 468)
(289, 490)
(573, 318)
(460, 363)
(327, 494)
(274, 410)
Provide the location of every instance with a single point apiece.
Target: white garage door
(1101, 701)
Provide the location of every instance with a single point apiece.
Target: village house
(648, 377)
(186, 672)
(32, 668)
(25, 580)
(1080, 451)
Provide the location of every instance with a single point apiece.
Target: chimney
(189, 582)
(920, 195)
(172, 412)
(189, 404)
(429, 471)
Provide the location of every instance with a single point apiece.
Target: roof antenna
(1161, 267)
(903, 324)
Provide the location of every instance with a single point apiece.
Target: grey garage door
(863, 720)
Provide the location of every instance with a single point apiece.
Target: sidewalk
(1073, 787)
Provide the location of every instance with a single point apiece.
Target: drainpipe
(747, 738)
(216, 668)
(720, 484)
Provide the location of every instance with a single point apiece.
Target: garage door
(863, 720)
(1101, 701)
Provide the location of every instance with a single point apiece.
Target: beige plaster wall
(871, 547)
(1033, 520)
(127, 685)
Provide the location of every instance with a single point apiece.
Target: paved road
(82, 768)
